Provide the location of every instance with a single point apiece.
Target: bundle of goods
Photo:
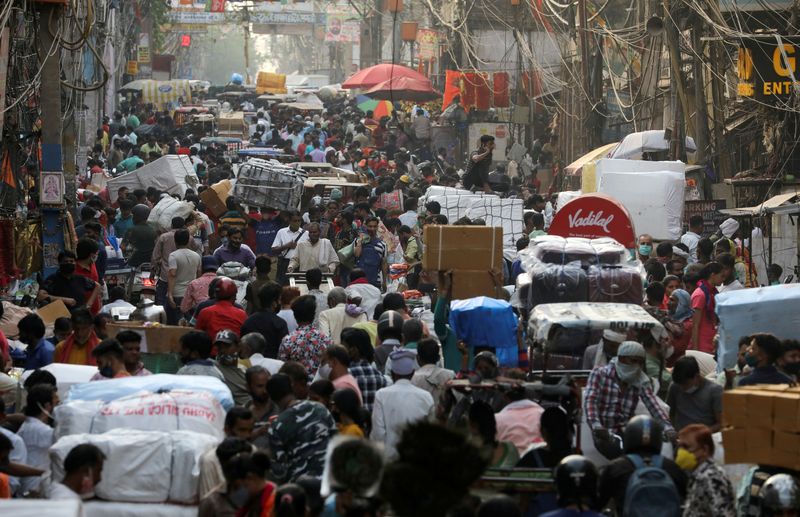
(142, 466)
(114, 389)
(468, 320)
(166, 209)
(574, 269)
(269, 184)
(176, 410)
(761, 425)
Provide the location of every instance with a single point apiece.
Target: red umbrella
(404, 89)
(369, 77)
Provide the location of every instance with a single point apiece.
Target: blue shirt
(40, 355)
(765, 375)
(371, 260)
(122, 225)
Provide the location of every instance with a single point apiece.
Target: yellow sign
(133, 68)
(768, 70)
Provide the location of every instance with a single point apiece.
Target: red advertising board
(593, 216)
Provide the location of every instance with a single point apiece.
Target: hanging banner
(341, 28)
(143, 50)
(427, 43)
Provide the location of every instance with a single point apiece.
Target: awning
(161, 92)
(768, 206)
(574, 168)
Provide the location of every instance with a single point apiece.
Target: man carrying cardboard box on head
(762, 354)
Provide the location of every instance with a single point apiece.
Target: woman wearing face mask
(679, 324)
(710, 493)
(704, 320)
(83, 467)
(247, 487)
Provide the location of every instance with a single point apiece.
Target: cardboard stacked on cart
(214, 197)
(761, 425)
(473, 253)
(156, 339)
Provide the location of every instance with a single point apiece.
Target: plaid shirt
(610, 405)
(369, 381)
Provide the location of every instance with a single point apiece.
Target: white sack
(67, 375)
(75, 417)
(505, 213)
(104, 509)
(142, 466)
(172, 174)
(168, 207)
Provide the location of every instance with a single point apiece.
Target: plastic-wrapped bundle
(549, 249)
(579, 250)
(166, 209)
(142, 466)
(553, 249)
(609, 251)
(269, 184)
(614, 283)
(557, 283)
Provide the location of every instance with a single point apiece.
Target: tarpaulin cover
(653, 193)
(454, 206)
(633, 145)
(591, 316)
(114, 389)
(106, 508)
(748, 311)
(505, 213)
(66, 375)
(469, 318)
(267, 82)
(41, 507)
(142, 466)
(172, 174)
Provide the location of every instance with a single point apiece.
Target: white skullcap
(614, 337)
(729, 227)
(631, 349)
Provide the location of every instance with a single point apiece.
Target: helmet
(390, 321)
(225, 289)
(643, 434)
(779, 493)
(140, 212)
(576, 481)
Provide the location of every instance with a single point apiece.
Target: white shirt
(333, 321)
(38, 438)
(395, 407)
(121, 304)
(409, 218)
(19, 454)
(287, 315)
(733, 286)
(369, 294)
(690, 239)
(309, 256)
(284, 237)
(62, 491)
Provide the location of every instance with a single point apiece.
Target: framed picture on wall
(51, 191)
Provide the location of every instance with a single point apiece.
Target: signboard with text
(593, 216)
(709, 210)
(766, 70)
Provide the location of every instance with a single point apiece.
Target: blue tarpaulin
(486, 322)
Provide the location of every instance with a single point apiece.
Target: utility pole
(701, 135)
(588, 102)
(247, 45)
(677, 83)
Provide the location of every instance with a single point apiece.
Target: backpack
(650, 491)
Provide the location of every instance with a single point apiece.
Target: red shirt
(220, 316)
(91, 274)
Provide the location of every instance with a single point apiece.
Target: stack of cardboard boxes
(473, 253)
(761, 424)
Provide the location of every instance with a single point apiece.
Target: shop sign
(709, 210)
(593, 216)
(132, 68)
(767, 70)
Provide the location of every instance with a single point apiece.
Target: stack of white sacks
(153, 431)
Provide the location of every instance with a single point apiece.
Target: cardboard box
(214, 197)
(471, 283)
(749, 407)
(759, 445)
(786, 411)
(785, 450)
(734, 408)
(162, 339)
(463, 247)
(735, 442)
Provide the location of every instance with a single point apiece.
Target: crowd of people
(355, 360)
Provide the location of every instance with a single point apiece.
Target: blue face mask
(750, 360)
(645, 250)
(107, 372)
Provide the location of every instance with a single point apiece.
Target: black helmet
(392, 322)
(576, 482)
(643, 434)
(779, 493)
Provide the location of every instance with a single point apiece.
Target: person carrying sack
(285, 245)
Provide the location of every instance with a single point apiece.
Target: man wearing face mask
(645, 248)
(37, 431)
(612, 394)
(789, 363)
(227, 363)
(762, 354)
(65, 285)
(109, 356)
(83, 469)
(692, 399)
(235, 250)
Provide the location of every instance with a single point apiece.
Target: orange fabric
(8, 172)
(5, 487)
(483, 94)
(64, 350)
(452, 86)
(469, 82)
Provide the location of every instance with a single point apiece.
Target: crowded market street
(351, 260)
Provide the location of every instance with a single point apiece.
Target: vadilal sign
(768, 71)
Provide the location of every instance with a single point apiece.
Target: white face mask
(628, 373)
(324, 371)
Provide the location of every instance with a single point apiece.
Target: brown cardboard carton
(786, 411)
(785, 450)
(155, 340)
(471, 283)
(760, 405)
(463, 247)
(759, 445)
(734, 408)
(214, 197)
(735, 442)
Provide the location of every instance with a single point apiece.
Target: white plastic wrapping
(505, 213)
(114, 389)
(454, 206)
(653, 193)
(67, 375)
(142, 466)
(172, 174)
(166, 209)
(552, 249)
(196, 411)
(105, 509)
